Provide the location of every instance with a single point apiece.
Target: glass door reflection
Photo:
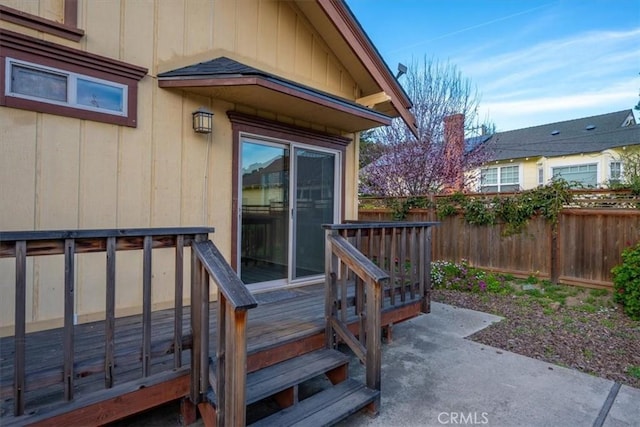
(264, 234)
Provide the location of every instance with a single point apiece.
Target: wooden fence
(586, 245)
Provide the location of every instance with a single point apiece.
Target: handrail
(227, 280)
(342, 257)
(356, 260)
(234, 299)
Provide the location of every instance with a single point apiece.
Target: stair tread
(272, 379)
(324, 408)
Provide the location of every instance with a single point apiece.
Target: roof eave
(350, 29)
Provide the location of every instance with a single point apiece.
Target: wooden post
(20, 328)
(204, 330)
(177, 319)
(235, 386)
(110, 321)
(374, 340)
(221, 358)
(554, 252)
(146, 306)
(330, 285)
(426, 290)
(196, 347)
(69, 291)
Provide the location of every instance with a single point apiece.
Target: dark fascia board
(346, 23)
(277, 85)
(68, 55)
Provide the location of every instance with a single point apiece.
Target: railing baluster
(422, 260)
(426, 295)
(401, 262)
(20, 328)
(69, 285)
(413, 248)
(392, 266)
(146, 306)
(344, 297)
(179, 286)
(110, 319)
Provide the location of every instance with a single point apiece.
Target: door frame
(292, 146)
(265, 129)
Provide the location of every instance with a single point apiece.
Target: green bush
(463, 277)
(626, 282)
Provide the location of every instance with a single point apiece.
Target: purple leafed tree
(439, 159)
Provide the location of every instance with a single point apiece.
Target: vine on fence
(513, 211)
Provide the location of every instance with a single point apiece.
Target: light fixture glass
(202, 120)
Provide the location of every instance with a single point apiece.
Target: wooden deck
(286, 323)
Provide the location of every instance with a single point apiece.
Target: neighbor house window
(500, 179)
(578, 175)
(540, 176)
(51, 85)
(615, 172)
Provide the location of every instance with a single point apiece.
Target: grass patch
(634, 371)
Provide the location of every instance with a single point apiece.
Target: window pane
(616, 170)
(100, 95)
(38, 83)
(509, 188)
(489, 176)
(583, 174)
(489, 189)
(509, 175)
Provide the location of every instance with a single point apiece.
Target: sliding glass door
(288, 191)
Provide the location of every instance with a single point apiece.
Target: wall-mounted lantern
(202, 120)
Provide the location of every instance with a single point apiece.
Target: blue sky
(533, 62)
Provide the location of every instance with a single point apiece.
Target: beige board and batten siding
(66, 173)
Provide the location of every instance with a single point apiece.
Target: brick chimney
(454, 150)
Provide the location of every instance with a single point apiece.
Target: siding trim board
(22, 47)
(68, 30)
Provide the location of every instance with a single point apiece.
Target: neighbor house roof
(584, 135)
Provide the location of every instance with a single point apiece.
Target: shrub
(463, 277)
(626, 282)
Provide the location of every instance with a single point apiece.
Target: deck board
(286, 317)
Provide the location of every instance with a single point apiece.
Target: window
(540, 176)
(578, 175)
(615, 172)
(46, 84)
(500, 179)
(38, 75)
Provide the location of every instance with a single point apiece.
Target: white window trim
(598, 172)
(72, 79)
(500, 184)
(609, 170)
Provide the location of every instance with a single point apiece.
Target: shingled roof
(585, 135)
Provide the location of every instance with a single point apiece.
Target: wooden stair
(281, 381)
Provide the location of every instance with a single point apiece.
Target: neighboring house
(585, 151)
(96, 104)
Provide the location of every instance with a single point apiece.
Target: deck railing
(206, 261)
(367, 264)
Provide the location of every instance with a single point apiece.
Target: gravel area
(595, 337)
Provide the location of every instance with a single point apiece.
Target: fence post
(554, 252)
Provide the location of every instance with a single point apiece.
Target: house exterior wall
(529, 167)
(66, 173)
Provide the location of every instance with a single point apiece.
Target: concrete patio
(432, 376)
